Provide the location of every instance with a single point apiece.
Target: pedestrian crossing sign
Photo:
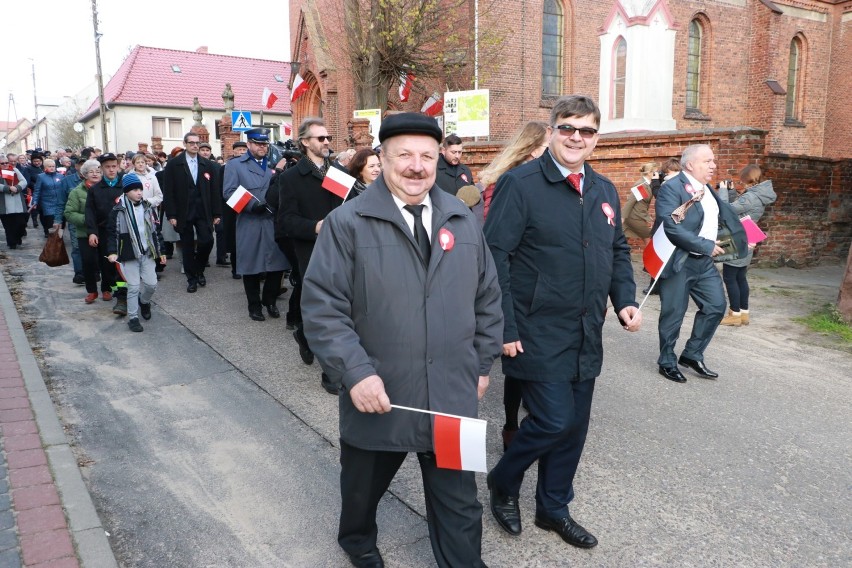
(240, 120)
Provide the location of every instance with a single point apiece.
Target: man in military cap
(229, 216)
(257, 252)
(192, 207)
(385, 333)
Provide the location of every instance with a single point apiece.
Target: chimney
(202, 49)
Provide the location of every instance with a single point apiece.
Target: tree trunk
(844, 301)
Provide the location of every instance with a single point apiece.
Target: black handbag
(725, 240)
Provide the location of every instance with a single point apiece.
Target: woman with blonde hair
(528, 144)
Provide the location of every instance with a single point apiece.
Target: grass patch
(827, 321)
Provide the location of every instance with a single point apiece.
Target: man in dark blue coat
(692, 215)
(554, 230)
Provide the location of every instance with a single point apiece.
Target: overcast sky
(57, 35)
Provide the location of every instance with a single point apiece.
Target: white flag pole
(435, 413)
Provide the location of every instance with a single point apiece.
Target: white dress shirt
(426, 216)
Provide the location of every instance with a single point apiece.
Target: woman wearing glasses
(75, 214)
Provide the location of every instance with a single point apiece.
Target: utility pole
(100, 76)
(35, 103)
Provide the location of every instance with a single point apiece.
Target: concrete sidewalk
(46, 515)
(206, 442)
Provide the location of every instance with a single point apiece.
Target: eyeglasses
(193, 142)
(568, 130)
(320, 138)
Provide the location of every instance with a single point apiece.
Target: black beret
(410, 123)
(109, 156)
(238, 144)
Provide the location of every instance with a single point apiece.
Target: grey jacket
(370, 306)
(752, 202)
(13, 202)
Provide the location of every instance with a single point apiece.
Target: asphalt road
(206, 442)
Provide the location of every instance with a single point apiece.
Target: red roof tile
(146, 78)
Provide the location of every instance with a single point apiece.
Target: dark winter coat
(47, 193)
(559, 257)
(452, 178)
(100, 200)
(177, 183)
(370, 306)
(302, 203)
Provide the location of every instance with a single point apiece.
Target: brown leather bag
(54, 253)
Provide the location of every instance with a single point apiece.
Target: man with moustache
(257, 252)
(691, 215)
(303, 205)
(554, 229)
(192, 207)
(402, 306)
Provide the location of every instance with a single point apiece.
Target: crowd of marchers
(407, 287)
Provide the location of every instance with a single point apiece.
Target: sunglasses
(320, 138)
(568, 130)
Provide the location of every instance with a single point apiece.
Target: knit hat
(131, 181)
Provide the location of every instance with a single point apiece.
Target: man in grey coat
(401, 305)
(257, 252)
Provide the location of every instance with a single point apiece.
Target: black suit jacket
(684, 235)
(177, 184)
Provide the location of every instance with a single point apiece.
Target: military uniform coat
(256, 248)
(370, 306)
(559, 256)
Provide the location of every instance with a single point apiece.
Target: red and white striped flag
(239, 199)
(338, 182)
(288, 128)
(657, 253)
(268, 98)
(459, 442)
(406, 80)
(300, 87)
(640, 192)
(433, 105)
(10, 176)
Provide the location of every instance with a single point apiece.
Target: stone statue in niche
(228, 98)
(196, 111)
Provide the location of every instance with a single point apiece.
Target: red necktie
(574, 180)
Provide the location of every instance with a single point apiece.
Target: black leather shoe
(304, 351)
(570, 531)
(202, 281)
(145, 311)
(273, 311)
(192, 287)
(505, 509)
(372, 559)
(698, 367)
(257, 315)
(672, 374)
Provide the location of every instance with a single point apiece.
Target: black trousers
(196, 242)
(15, 225)
(737, 285)
(46, 222)
(91, 264)
(511, 402)
(110, 281)
(454, 514)
(229, 228)
(554, 434)
(271, 287)
(294, 305)
(221, 245)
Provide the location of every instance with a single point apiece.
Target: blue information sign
(240, 120)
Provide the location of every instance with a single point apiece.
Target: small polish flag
(460, 442)
(9, 176)
(239, 199)
(269, 98)
(338, 182)
(657, 253)
(300, 87)
(433, 105)
(406, 80)
(288, 128)
(640, 192)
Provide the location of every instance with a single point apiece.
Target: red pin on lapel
(207, 176)
(689, 189)
(610, 214)
(446, 240)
